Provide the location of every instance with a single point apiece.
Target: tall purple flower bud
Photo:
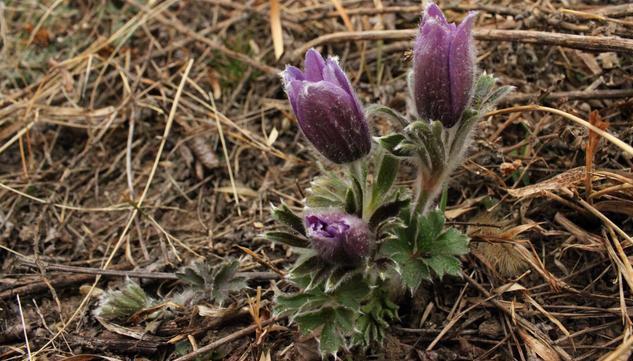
(338, 237)
(443, 67)
(328, 110)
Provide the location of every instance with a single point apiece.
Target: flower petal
(333, 73)
(338, 237)
(313, 66)
(328, 118)
(292, 73)
(433, 11)
(462, 66)
(431, 74)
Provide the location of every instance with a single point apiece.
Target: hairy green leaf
(287, 239)
(387, 173)
(421, 245)
(284, 215)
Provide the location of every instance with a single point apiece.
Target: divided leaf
(422, 246)
(214, 283)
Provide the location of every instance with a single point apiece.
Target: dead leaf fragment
(567, 179)
(538, 347)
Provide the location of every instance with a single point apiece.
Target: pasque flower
(443, 67)
(327, 109)
(338, 237)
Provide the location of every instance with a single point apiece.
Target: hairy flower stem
(428, 188)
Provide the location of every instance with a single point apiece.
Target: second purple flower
(327, 109)
(338, 237)
(443, 67)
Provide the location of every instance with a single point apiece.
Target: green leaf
(305, 265)
(327, 191)
(391, 114)
(351, 293)
(386, 211)
(442, 265)
(395, 145)
(191, 277)
(483, 87)
(301, 302)
(123, 303)
(387, 173)
(284, 215)
(226, 272)
(319, 201)
(413, 271)
(497, 95)
(397, 248)
(310, 321)
(486, 95)
(330, 341)
(345, 319)
(294, 302)
(358, 196)
(351, 205)
(287, 239)
(374, 317)
(424, 137)
(225, 280)
(214, 283)
(451, 242)
(337, 277)
(319, 276)
(420, 246)
(430, 226)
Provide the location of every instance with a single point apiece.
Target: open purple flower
(338, 237)
(443, 67)
(327, 109)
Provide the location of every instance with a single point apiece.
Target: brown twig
(582, 42)
(134, 274)
(494, 9)
(229, 338)
(118, 345)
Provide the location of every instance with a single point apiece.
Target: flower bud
(327, 109)
(443, 67)
(338, 237)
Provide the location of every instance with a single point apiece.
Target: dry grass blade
(275, 28)
(26, 336)
(622, 353)
(541, 349)
(590, 149)
(343, 13)
(608, 136)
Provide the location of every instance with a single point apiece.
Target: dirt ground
(144, 135)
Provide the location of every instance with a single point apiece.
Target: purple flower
(338, 237)
(328, 111)
(443, 67)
